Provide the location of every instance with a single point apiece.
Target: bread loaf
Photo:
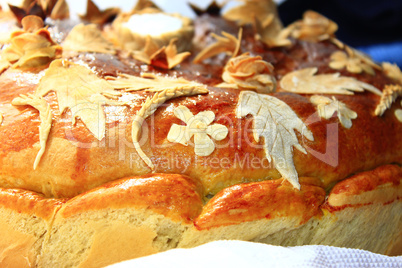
(115, 146)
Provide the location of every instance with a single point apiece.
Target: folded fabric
(249, 254)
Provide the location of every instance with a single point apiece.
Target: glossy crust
(175, 196)
(27, 202)
(97, 203)
(148, 214)
(259, 200)
(237, 158)
(381, 185)
(25, 219)
(129, 218)
(335, 153)
(371, 214)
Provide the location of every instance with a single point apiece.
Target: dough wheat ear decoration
(389, 95)
(45, 115)
(275, 121)
(150, 106)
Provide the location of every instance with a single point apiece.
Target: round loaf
(257, 132)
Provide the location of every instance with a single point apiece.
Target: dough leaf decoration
(306, 81)
(314, 27)
(45, 115)
(80, 90)
(250, 9)
(165, 57)
(271, 32)
(97, 16)
(327, 107)
(55, 9)
(275, 121)
(87, 38)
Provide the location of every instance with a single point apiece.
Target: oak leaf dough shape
(275, 121)
(87, 38)
(80, 90)
(306, 81)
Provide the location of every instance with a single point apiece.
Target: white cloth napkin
(248, 254)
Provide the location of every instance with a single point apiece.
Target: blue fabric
(370, 25)
(391, 52)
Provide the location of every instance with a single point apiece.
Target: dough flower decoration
(265, 20)
(200, 126)
(389, 95)
(54, 9)
(226, 43)
(32, 46)
(353, 61)
(87, 38)
(392, 71)
(306, 81)
(150, 106)
(314, 27)
(249, 72)
(165, 57)
(327, 107)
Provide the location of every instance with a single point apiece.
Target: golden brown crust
(146, 214)
(381, 185)
(25, 218)
(329, 158)
(175, 196)
(334, 154)
(29, 203)
(259, 200)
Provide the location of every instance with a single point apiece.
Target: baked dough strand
(150, 106)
